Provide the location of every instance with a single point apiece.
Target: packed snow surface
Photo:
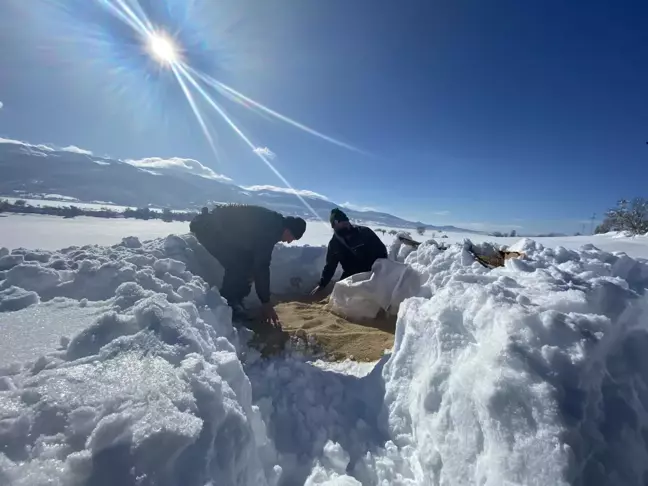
(120, 365)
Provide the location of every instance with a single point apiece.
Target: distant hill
(164, 183)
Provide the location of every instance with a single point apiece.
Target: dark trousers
(239, 272)
(238, 278)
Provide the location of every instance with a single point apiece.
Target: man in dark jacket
(242, 238)
(355, 247)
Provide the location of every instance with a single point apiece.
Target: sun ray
(113, 9)
(138, 11)
(143, 29)
(221, 87)
(240, 133)
(195, 110)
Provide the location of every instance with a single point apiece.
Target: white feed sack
(363, 295)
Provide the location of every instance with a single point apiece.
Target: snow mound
(120, 365)
(144, 387)
(526, 374)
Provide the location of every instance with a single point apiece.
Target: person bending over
(242, 238)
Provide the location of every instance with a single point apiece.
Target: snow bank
(528, 374)
(120, 366)
(146, 386)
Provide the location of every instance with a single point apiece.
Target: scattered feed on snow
(338, 337)
(331, 335)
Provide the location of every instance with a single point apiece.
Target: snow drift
(149, 391)
(527, 374)
(121, 366)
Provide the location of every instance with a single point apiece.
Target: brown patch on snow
(310, 319)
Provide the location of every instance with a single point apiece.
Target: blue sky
(498, 115)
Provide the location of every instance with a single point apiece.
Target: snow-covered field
(52, 233)
(119, 365)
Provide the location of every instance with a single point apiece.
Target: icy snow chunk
(6, 384)
(129, 293)
(174, 244)
(336, 457)
(140, 260)
(323, 477)
(58, 264)
(32, 277)
(174, 267)
(331, 470)
(16, 298)
(106, 328)
(37, 256)
(36, 330)
(131, 242)
(10, 261)
(3, 251)
(527, 246)
(172, 280)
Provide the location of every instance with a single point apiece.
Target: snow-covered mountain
(175, 183)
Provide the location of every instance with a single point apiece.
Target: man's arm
(332, 261)
(262, 260)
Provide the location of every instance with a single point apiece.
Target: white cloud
(46, 148)
(190, 166)
(175, 163)
(441, 213)
(28, 146)
(357, 207)
(1, 105)
(76, 150)
(266, 152)
(286, 190)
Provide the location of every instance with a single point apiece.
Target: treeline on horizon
(71, 211)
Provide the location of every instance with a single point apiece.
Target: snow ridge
(152, 392)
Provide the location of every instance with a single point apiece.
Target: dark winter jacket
(356, 252)
(242, 238)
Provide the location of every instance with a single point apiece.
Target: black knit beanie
(338, 216)
(297, 226)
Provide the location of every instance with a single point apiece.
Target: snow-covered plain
(119, 365)
(52, 233)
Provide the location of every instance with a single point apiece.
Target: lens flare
(163, 48)
(250, 104)
(239, 132)
(168, 53)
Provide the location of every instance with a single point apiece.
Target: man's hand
(316, 290)
(269, 315)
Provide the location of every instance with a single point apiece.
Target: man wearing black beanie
(355, 247)
(242, 238)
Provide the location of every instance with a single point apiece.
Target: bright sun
(163, 48)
